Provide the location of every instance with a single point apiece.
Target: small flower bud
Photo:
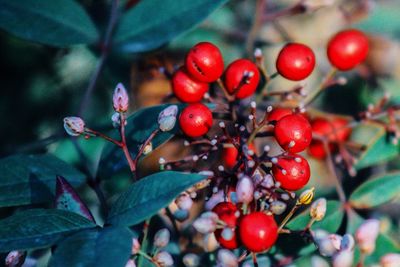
(390, 260)
(326, 246)
(366, 235)
(167, 118)
(161, 238)
(227, 234)
(278, 207)
(317, 261)
(191, 260)
(207, 223)
(15, 258)
(181, 215)
(210, 244)
(184, 201)
(306, 196)
(120, 98)
(135, 246)
(130, 263)
(148, 148)
(74, 126)
(226, 258)
(245, 190)
(343, 259)
(336, 240)
(347, 242)
(164, 259)
(318, 209)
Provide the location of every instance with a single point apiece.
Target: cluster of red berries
(257, 230)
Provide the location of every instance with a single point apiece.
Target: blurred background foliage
(42, 83)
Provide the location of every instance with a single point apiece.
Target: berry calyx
(292, 172)
(229, 214)
(186, 89)
(258, 231)
(347, 49)
(195, 120)
(295, 61)
(241, 78)
(334, 130)
(278, 113)
(293, 133)
(204, 62)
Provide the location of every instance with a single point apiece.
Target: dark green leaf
(39, 228)
(378, 148)
(376, 191)
(147, 196)
(60, 23)
(29, 179)
(140, 125)
(110, 246)
(151, 24)
(68, 199)
(331, 222)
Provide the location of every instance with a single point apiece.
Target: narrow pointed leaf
(59, 23)
(31, 179)
(376, 191)
(38, 228)
(110, 246)
(151, 24)
(68, 199)
(331, 222)
(146, 197)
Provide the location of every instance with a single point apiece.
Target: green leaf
(59, 23)
(376, 191)
(331, 222)
(378, 148)
(30, 179)
(140, 125)
(146, 197)
(150, 24)
(110, 246)
(38, 228)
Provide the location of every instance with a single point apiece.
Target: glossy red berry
(293, 133)
(258, 231)
(347, 49)
(229, 214)
(334, 130)
(195, 120)
(230, 155)
(241, 78)
(204, 62)
(295, 61)
(186, 89)
(278, 113)
(292, 172)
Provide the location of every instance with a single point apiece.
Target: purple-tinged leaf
(68, 199)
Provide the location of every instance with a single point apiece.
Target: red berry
(195, 120)
(335, 130)
(230, 155)
(241, 78)
(295, 61)
(293, 133)
(292, 172)
(186, 89)
(204, 62)
(347, 49)
(227, 212)
(278, 113)
(258, 231)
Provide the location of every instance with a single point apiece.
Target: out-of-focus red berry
(228, 213)
(347, 49)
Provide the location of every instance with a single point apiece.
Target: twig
(331, 166)
(105, 48)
